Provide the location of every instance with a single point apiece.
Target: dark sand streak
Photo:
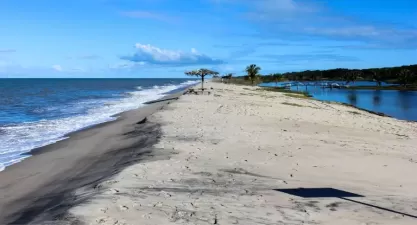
(58, 176)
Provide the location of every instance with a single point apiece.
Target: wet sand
(44, 186)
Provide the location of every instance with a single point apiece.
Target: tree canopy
(202, 73)
(253, 72)
(400, 75)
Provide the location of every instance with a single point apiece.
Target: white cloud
(57, 68)
(157, 56)
(397, 37)
(309, 18)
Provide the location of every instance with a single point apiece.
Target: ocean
(38, 112)
(398, 104)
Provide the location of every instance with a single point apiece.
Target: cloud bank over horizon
(148, 54)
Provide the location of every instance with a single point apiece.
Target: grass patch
(354, 112)
(287, 91)
(276, 89)
(242, 81)
(302, 96)
(292, 104)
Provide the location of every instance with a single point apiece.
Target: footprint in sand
(104, 210)
(111, 182)
(101, 220)
(112, 191)
(147, 216)
(123, 208)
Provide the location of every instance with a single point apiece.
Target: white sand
(236, 146)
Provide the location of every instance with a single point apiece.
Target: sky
(164, 38)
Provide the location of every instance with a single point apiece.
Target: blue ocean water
(37, 112)
(398, 104)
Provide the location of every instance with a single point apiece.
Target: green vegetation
(288, 92)
(298, 105)
(406, 76)
(253, 72)
(201, 73)
(354, 112)
(301, 95)
(292, 104)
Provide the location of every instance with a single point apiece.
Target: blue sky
(163, 38)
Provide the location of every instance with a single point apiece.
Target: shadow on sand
(334, 193)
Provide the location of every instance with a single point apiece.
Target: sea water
(38, 112)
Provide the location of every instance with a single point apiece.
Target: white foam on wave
(18, 140)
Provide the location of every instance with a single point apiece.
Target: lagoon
(398, 104)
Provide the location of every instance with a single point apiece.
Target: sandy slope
(236, 146)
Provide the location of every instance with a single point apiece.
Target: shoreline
(341, 103)
(224, 158)
(364, 110)
(111, 118)
(28, 188)
(241, 155)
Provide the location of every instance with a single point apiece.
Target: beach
(58, 176)
(240, 155)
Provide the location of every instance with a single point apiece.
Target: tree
(227, 77)
(277, 77)
(351, 76)
(377, 77)
(346, 77)
(300, 76)
(201, 73)
(405, 77)
(313, 75)
(253, 72)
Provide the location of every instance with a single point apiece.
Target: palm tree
(201, 73)
(253, 72)
(405, 77)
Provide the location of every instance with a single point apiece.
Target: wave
(19, 139)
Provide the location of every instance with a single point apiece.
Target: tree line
(403, 75)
